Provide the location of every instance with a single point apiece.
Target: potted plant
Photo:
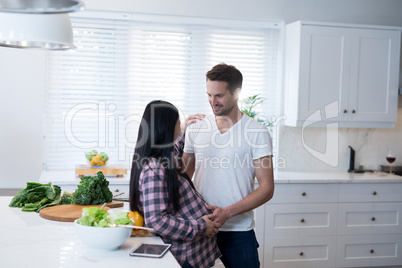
(248, 107)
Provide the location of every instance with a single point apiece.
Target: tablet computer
(150, 250)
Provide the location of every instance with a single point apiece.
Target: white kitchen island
(27, 240)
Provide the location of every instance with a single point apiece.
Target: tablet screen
(150, 250)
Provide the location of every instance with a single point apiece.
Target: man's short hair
(228, 74)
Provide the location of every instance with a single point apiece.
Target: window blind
(96, 94)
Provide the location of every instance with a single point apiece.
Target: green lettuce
(94, 216)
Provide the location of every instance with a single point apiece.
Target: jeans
(187, 265)
(239, 249)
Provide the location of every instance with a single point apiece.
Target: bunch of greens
(91, 191)
(37, 196)
(94, 216)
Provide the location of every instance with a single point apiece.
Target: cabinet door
(370, 192)
(369, 218)
(373, 86)
(298, 193)
(369, 251)
(300, 220)
(324, 70)
(300, 252)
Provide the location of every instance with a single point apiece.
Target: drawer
(283, 220)
(369, 251)
(379, 192)
(300, 253)
(305, 193)
(370, 218)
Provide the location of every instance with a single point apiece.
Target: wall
(22, 83)
(371, 146)
(22, 80)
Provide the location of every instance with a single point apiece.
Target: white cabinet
(369, 225)
(300, 226)
(331, 225)
(349, 72)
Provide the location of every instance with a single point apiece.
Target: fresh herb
(37, 196)
(91, 191)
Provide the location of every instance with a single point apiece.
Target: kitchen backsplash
(312, 152)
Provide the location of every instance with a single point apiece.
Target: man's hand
(191, 119)
(219, 215)
(211, 226)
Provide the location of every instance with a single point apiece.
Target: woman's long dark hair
(156, 140)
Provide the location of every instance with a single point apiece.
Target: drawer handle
(374, 193)
(304, 194)
(345, 111)
(302, 220)
(373, 219)
(301, 253)
(372, 251)
(353, 111)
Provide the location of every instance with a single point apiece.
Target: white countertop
(335, 177)
(28, 240)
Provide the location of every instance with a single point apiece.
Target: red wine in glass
(391, 159)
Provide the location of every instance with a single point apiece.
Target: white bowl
(102, 238)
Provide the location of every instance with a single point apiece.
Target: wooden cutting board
(113, 170)
(71, 212)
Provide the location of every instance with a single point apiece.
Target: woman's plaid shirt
(183, 229)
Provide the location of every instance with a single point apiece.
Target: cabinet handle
(345, 111)
(372, 251)
(353, 111)
(373, 219)
(374, 193)
(304, 194)
(302, 220)
(301, 253)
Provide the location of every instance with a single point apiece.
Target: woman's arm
(179, 143)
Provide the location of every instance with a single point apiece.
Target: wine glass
(391, 159)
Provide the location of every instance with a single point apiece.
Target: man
(225, 152)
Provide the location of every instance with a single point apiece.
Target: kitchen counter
(335, 177)
(28, 240)
(120, 186)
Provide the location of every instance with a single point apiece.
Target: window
(96, 94)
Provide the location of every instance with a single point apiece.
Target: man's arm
(188, 164)
(265, 177)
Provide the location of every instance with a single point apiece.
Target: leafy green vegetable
(119, 217)
(92, 191)
(37, 196)
(94, 216)
(67, 198)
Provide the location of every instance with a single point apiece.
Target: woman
(164, 195)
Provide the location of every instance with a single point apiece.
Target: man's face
(220, 98)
